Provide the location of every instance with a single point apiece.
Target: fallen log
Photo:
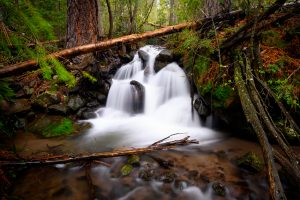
(19, 68)
(61, 159)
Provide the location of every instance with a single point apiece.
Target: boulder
(58, 109)
(162, 59)
(138, 96)
(251, 162)
(101, 98)
(18, 106)
(46, 99)
(76, 102)
(201, 107)
(144, 56)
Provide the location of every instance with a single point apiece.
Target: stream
(144, 105)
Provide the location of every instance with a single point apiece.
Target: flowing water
(143, 107)
(165, 107)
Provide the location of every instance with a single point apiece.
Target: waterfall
(144, 106)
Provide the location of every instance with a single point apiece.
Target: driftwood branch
(60, 159)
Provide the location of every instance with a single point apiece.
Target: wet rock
(219, 189)
(58, 109)
(144, 56)
(162, 59)
(146, 175)
(93, 104)
(50, 125)
(201, 107)
(180, 184)
(76, 102)
(88, 115)
(166, 177)
(46, 99)
(20, 123)
(101, 98)
(63, 192)
(138, 96)
(251, 162)
(19, 106)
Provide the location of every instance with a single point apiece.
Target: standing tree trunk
(111, 23)
(132, 15)
(81, 22)
(100, 22)
(172, 15)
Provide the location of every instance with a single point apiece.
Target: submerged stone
(219, 189)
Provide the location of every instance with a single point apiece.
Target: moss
(251, 162)
(64, 127)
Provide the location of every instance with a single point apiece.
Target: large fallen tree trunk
(84, 49)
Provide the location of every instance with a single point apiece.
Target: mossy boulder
(46, 99)
(251, 162)
(51, 126)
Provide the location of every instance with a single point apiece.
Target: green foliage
(64, 127)
(5, 91)
(202, 64)
(29, 22)
(222, 93)
(273, 38)
(284, 91)
(89, 77)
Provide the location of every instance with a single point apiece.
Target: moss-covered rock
(250, 161)
(51, 126)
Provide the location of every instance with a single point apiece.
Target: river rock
(46, 99)
(138, 96)
(101, 98)
(58, 109)
(18, 106)
(251, 162)
(76, 102)
(144, 56)
(93, 104)
(219, 189)
(41, 122)
(201, 107)
(162, 59)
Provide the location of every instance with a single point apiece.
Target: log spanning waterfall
(146, 104)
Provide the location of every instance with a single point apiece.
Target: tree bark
(81, 22)
(276, 190)
(19, 68)
(172, 15)
(100, 20)
(111, 22)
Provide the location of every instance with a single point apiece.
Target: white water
(167, 107)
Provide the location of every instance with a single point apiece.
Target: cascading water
(144, 106)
